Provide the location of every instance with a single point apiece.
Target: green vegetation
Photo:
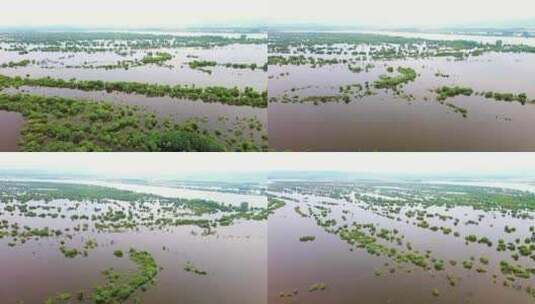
(19, 199)
(189, 267)
(388, 82)
(338, 206)
(471, 238)
(446, 92)
(92, 42)
(383, 47)
(61, 297)
(509, 97)
(201, 64)
(360, 52)
(509, 229)
(516, 270)
(15, 64)
(307, 238)
(231, 96)
(157, 58)
(242, 66)
(69, 252)
(59, 124)
(119, 287)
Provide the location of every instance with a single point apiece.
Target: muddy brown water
(10, 125)
(235, 258)
(387, 123)
(175, 71)
(350, 275)
(54, 64)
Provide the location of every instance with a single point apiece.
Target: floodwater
(211, 116)
(235, 258)
(176, 71)
(10, 126)
(350, 275)
(491, 39)
(386, 122)
(234, 199)
(177, 110)
(449, 36)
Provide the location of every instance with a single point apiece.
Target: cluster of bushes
(196, 64)
(156, 58)
(406, 75)
(446, 92)
(509, 97)
(59, 124)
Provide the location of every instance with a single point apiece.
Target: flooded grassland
(211, 86)
(367, 92)
(75, 243)
(386, 242)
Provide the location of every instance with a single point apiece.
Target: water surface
(10, 126)
(386, 122)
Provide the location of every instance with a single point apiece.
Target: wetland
(384, 91)
(157, 74)
(401, 242)
(71, 241)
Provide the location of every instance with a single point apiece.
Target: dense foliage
(60, 124)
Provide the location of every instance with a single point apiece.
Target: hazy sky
(154, 165)
(129, 13)
(143, 13)
(400, 12)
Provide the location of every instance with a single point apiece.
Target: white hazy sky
(143, 13)
(131, 13)
(154, 165)
(400, 12)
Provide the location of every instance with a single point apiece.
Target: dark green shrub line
(13, 64)
(446, 92)
(230, 96)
